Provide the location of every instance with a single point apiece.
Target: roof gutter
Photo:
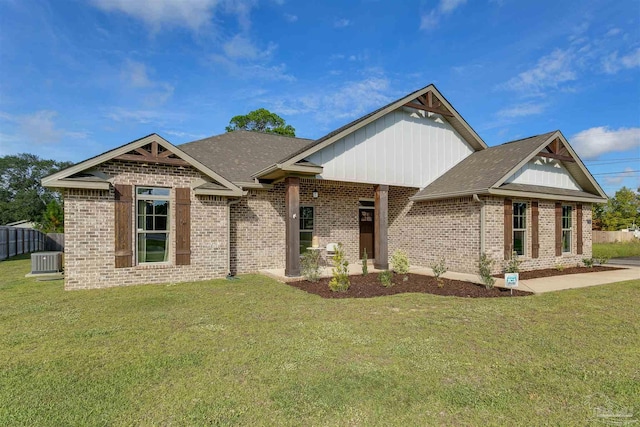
(568, 198)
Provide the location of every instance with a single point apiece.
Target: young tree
(21, 194)
(261, 120)
(622, 210)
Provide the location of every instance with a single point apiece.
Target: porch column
(381, 223)
(292, 224)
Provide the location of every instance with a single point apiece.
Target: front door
(366, 232)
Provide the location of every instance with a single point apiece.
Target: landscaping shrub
(400, 262)
(603, 259)
(588, 262)
(439, 268)
(485, 265)
(513, 265)
(365, 268)
(311, 265)
(385, 278)
(559, 267)
(340, 281)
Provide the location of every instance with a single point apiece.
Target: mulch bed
(549, 272)
(368, 286)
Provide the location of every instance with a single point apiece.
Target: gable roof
(74, 176)
(485, 172)
(239, 154)
(455, 119)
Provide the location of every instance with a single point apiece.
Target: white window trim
(314, 222)
(525, 229)
(138, 231)
(570, 229)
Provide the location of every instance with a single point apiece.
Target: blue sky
(78, 78)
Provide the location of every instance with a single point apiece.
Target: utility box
(46, 262)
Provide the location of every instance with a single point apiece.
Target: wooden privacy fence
(612, 236)
(15, 241)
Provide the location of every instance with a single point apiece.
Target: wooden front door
(366, 232)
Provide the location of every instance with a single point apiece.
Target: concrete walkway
(538, 286)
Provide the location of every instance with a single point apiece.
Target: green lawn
(613, 250)
(257, 352)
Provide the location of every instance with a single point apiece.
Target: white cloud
(255, 71)
(611, 64)
(241, 47)
(429, 21)
(521, 110)
(549, 72)
(136, 75)
(348, 100)
(593, 142)
(617, 179)
(37, 128)
(181, 134)
(613, 32)
(341, 23)
(156, 13)
(448, 6)
(290, 18)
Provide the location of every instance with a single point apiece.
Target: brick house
(412, 175)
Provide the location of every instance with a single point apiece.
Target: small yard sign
(511, 280)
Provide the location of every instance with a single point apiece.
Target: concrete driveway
(632, 261)
(582, 280)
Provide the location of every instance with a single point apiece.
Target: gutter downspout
(482, 221)
(229, 203)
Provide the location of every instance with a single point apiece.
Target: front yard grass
(616, 250)
(257, 352)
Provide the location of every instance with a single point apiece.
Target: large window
(306, 227)
(153, 224)
(566, 228)
(519, 227)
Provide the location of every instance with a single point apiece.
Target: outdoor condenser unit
(46, 262)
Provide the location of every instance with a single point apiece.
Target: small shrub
(365, 268)
(385, 278)
(485, 265)
(513, 265)
(400, 262)
(588, 262)
(439, 268)
(311, 265)
(559, 267)
(340, 280)
(602, 260)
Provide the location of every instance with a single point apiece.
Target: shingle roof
(545, 190)
(237, 155)
(482, 169)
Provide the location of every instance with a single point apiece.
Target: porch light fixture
(315, 194)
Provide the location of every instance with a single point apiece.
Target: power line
(611, 160)
(614, 173)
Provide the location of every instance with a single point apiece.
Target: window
(519, 227)
(153, 224)
(306, 227)
(566, 229)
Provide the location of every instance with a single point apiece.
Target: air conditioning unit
(46, 262)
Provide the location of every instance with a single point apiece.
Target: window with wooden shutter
(123, 233)
(183, 226)
(579, 229)
(508, 230)
(535, 239)
(558, 213)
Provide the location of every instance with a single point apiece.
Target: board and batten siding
(401, 148)
(545, 172)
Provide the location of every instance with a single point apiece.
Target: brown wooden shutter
(535, 240)
(123, 231)
(183, 226)
(508, 228)
(579, 229)
(558, 229)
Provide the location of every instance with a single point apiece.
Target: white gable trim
(582, 168)
(58, 179)
(477, 142)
